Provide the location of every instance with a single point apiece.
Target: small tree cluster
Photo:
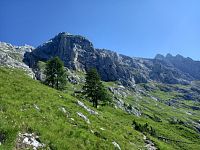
(55, 74)
(144, 128)
(94, 88)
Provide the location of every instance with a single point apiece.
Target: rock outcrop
(84, 117)
(28, 141)
(81, 104)
(186, 65)
(165, 72)
(116, 145)
(78, 53)
(12, 56)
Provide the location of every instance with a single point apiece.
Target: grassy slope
(183, 133)
(19, 94)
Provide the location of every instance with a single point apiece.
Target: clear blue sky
(140, 28)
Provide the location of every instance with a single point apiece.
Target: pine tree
(94, 89)
(55, 74)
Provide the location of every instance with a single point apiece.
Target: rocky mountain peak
(185, 66)
(64, 33)
(168, 56)
(64, 45)
(179, 56)
(74, 40)
(78, 53)
(160, 57)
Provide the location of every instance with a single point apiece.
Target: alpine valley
(155, 102)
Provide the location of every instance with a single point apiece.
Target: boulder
(116, 145)
(28, 141)
(84, 117)
(81, 104)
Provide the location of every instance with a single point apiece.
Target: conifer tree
(55, 74)
(94, 89)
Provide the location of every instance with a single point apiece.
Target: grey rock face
(185, 69)
(78, 53)
(12, 56)
(73, 51)
(187, 65)
(166, 73)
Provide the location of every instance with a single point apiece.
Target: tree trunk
(57, 84)
(96, 103)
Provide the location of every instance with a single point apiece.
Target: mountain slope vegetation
(27, 106)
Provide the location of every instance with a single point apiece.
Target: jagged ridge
(78, 53)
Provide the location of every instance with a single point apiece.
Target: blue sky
(139, 28)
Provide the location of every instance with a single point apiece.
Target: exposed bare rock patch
(81, 104)
(149, 144)
(116, 145)
(84, 117)
(28, 141)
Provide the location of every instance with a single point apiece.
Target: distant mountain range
(78, 53)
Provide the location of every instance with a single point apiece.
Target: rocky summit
(78, 53)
